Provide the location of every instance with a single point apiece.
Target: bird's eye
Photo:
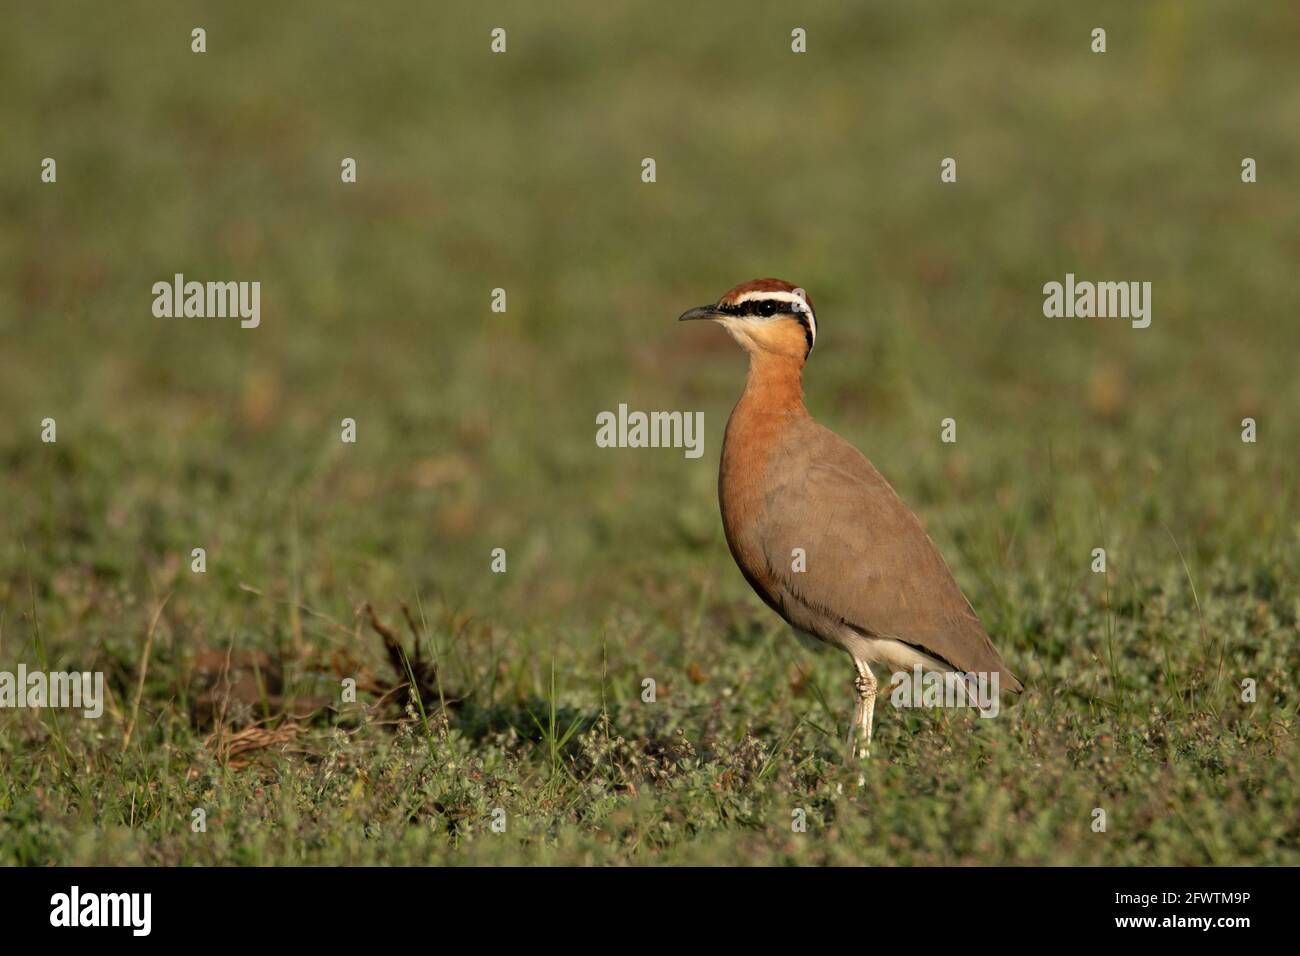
(767, 308)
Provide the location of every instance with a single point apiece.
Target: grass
(476, 429)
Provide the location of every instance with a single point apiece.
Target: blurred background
(522, 171)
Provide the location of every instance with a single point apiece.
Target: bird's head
(766, 316)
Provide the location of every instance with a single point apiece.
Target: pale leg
(853, 727)
(865, 683)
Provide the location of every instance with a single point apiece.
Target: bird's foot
(852, 750)
(859, 750)
(862, 757)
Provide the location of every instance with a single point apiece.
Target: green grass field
(476, 429)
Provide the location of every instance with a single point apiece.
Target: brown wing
(869, 561)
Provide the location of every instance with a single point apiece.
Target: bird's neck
(772, 400)
(773, 396)
(775, 383)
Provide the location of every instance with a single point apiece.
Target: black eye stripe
(770, 307)
(760, 307)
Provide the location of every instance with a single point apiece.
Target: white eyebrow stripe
(772, 294)
(789, 297)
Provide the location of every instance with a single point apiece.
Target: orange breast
(773, 394)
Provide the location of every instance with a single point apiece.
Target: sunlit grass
(476, 429)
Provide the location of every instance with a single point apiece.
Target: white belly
(881, 651)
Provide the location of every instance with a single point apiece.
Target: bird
(872, 583)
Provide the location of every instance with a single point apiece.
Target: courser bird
(873, 583)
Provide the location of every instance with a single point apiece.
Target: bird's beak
(701, 312)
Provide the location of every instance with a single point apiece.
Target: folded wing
(867, 556)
